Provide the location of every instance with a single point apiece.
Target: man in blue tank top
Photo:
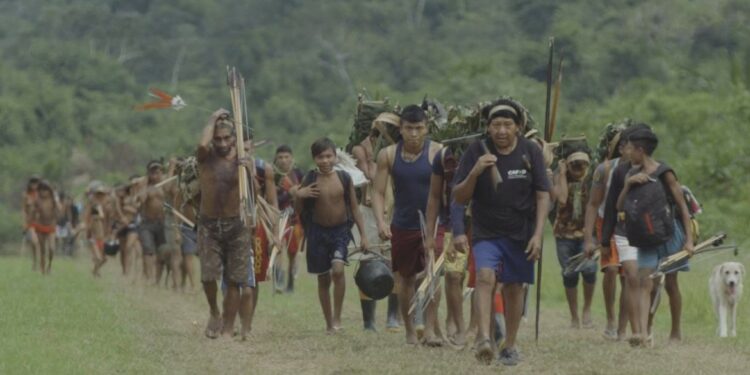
(408, 164)
(508, 215)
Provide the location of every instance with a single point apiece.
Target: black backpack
(649, 215)
(306, 216)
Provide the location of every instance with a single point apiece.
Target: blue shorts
(326, 245)
(189, 244)
(506, 257)
(565, 250)
(650, 257)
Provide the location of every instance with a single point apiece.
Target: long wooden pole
(234, 81)
(547, 138)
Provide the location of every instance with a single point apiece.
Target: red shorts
(43, 229)
(293, 237)
(611, 260)
(499, 303)
(260, 253)
(407, 250)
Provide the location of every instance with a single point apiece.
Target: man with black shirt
(507, 218)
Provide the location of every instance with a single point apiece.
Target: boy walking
(328, 206)
(651, 224)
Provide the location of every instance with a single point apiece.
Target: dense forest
(71, 72)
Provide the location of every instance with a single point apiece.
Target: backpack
(649, 215)
(306, 214)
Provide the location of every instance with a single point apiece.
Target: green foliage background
(70, 72)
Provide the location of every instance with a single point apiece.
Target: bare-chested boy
(99, 215)
(408, 163)
(29, 203)
(223, 239)
(46, 212)
(327, 204)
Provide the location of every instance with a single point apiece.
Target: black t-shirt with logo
(509, 211)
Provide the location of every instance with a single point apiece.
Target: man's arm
(559, 191)
(378, 199)
(676, 190)
(208, 134)
(271, 197)
(463, 191)
(362, 163)
(589, 220)
(434, 201)
(637, 179)
(358, 218)
(542, 208)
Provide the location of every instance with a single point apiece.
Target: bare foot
(575, 323)
(331, 331)
(214, 327)
(587, 323)
(675, 337)
(412, 339)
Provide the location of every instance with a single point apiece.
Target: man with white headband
(509, 207)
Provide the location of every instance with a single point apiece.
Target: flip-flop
(484, 353)
(432, 342)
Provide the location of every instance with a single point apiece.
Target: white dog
(725, 286)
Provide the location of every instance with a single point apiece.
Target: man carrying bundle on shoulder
(570, 192)
(384, 128)
(224, 241)
(508, 214)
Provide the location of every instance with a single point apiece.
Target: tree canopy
(71, 72)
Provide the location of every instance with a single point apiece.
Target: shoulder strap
(309, 178)
(390, 155)
(346, 181)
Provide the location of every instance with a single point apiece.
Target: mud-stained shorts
(152, 236)
(224, 245)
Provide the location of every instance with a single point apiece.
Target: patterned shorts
(224, 245)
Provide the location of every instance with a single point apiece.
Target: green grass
(70, 323)
(65, 323)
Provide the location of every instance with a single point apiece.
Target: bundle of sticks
(578, 262)
(274, 220)
(431, 282)
(671, 263)
(236, 84)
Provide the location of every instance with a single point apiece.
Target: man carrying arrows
(507, 218)
(223, 238)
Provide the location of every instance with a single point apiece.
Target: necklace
(408, 157)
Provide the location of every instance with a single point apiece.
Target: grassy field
(69, 323)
